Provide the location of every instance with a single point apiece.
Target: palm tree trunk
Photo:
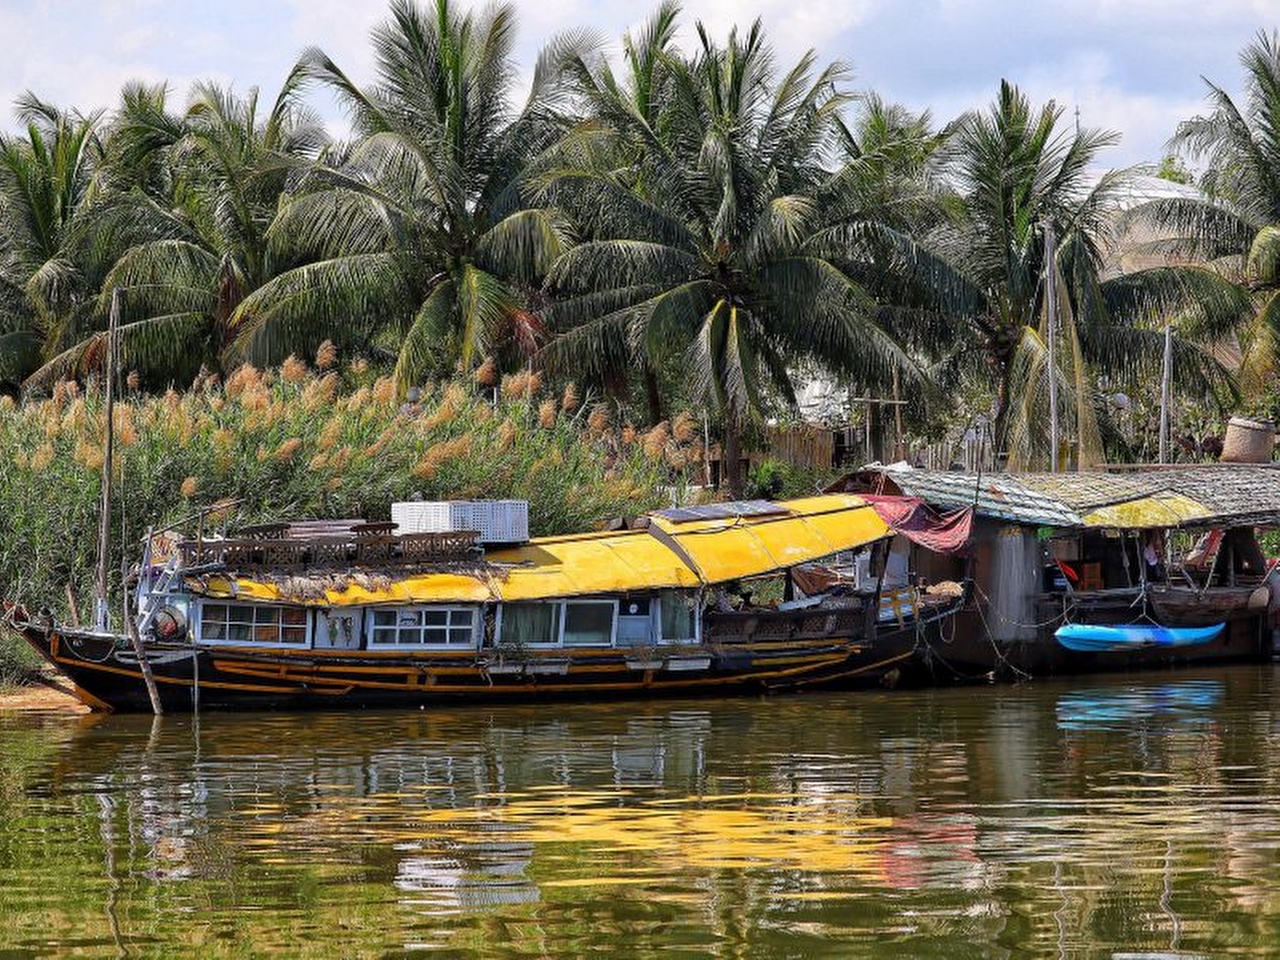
(999, 432)
(733, 457)
(653, 395)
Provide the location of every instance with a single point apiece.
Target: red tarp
(939, 532)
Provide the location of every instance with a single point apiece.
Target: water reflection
(1185, 701)
(1128, 816)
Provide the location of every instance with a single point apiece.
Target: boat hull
(1100, 638)
(107, 675)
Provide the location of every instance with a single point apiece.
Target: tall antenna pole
(1051, 297)
(1166, 391)
(101, 609)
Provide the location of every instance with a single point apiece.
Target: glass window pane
(383, 635)
(214, 631)
(384, 618)
(462, 618)
(435, 635)
(588, 623)
(268, 615)
(677, 616)
(435, 618)
(294, 615)
(530, 622)
(238, 631)
(460, 636)
(215, 612)
(294, 634)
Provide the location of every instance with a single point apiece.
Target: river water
(1125, 816)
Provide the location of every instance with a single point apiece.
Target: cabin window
(567, 622)
(253, 623)
(530, 623)
(589, 623)
(679, 616)
(423, 627)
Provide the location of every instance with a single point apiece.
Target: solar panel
(723, 511)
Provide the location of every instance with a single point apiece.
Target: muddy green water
(1126, 816)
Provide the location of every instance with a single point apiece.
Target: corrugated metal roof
(999, 495)
(1210, 494)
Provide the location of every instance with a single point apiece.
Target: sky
(1133, 66)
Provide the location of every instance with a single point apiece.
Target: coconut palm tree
(420, 228)
(46, 188)
(1021, 175)
(1235, 225)
(708, 216)
(187, 199)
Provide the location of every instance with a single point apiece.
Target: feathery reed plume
(684, 427)
(506, 434)
(326, 355)
(133, 381)
(359, 366)
(547, 414)
(655, 441)
(286, 450)
(487, 373)
(330, 434)
(598, 420)
(440, 453)
(293, 370)
(320, 393)
(245, 377)
(43, 456)
(384, 391)
(189, 488)
(569, 402)
(516, 386)
(358, 399)
(628, 434)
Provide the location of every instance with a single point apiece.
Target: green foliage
(772, 479)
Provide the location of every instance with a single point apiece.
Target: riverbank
(49, 693)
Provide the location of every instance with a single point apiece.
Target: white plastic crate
(497, 521)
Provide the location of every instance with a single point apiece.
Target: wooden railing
(360, 545)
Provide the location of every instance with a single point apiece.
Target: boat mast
(1051, 321)
(101, 608)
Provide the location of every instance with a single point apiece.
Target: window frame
(372, 627)
(278, 644)
(559, 643)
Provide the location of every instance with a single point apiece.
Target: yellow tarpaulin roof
(732, 548)
(1165, 509)
(669, 555)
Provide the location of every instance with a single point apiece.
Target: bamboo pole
(102, 618)
(101, 611)
(1051, 321)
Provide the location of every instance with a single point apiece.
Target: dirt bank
(50, 693)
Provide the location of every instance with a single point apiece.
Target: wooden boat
(355, 615)
(1099, 638)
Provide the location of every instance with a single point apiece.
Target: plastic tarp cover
(918, 522)
(669, 555)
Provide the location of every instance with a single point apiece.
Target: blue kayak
(1096, 638)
